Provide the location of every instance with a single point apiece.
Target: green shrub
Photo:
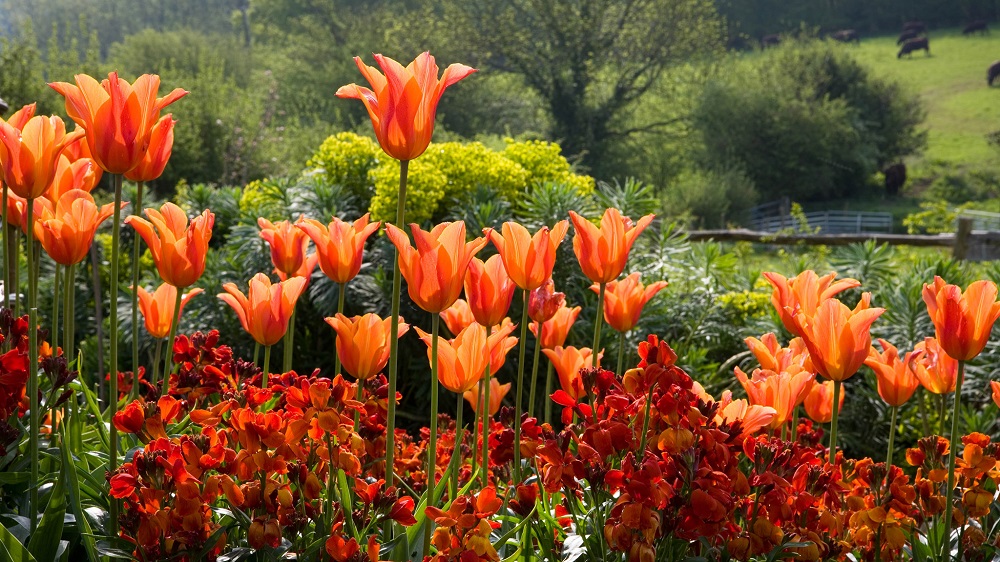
(346, 159)
(473, 164)
(710, 199)
(425, 188)
(545, 162)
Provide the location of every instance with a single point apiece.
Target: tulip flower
(556, 329)
(29, 155)
(288, 245)
(783, 391)
(935, 369)
(340, 245)
(625, 299)
(66, 229)
(803, 294)
(457, 316)
(995, 388)
(500, 343)
(896, 381)
(962, 321)
(158, 307)
(178, 249)
(70, 174)
(118, 117)
(819, 402)
(568, 362)
(435, 269)
(402, 103)
(161, 145)
(751, 417)
(528, 259)
(488, 290)
(497, 393)
(602, 251)
(304, 271)
(363, 343)
(773, 357)
(543, 303)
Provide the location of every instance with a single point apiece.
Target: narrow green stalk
(156, 361)
(952, 449)
(286, 358)
(795, 422)
(432, 445)
(477, 417)
(15, 276)
(4, 231)
(390, 424)
(621, 353)
(54, 332)
(168, 362)
(645, 422)
(534, 370)
(457, 454)
(922, 402)
(486, 418)
(340, 310)
(520, 386)
(596, 348)
(35, 416)
(941, 405)
(256, 353)
(359, 396)
(68, 312)
(892, 438)
(116, 233)
(549, 384)
(833, 424)
(267, 366)
(135, 297)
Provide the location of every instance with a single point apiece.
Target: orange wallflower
(624, 300)
(457, 316)
(497, 392)
(962, 321)
(66, 229)
(288, 245)
(118, 117)
(161, 145)
(773, 357)
(602, 252)
(934, 368)
(340, 245)
(782, 391)
(363, 342)
(896, 379)
(557, 328)
(402, 103)
(435, 269)
(838, 338)
(544, 302)
(489, 290)
(461, 361)
(819, 402)
(178, 249)
(82, 173)
(995, 387)
(157, 308)
(568, 361)
(803, 294)
(528, 259)
(29, 155)
(265, 312)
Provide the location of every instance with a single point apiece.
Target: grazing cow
(918, 26)
(921, 44)
(895, 177)
(978, 26)
(993, 72)
(770, 41)
(906, 36)
(847, 36)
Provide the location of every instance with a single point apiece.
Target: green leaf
(76, 502)
(44, 542)
(14, 477)
(11, 550)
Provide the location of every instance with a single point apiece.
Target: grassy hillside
(961, 109)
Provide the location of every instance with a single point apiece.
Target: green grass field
(961, 108)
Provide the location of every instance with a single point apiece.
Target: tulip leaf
(11, 549)
(44, 542)
(76, 501)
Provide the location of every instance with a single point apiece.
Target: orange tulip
(995, 387)
(119, 117)
(489, 290)
(934, 368)
(782, 391)
(340, 245)
(304, 271)
(896, 379)
(497, 392)
(402, 103)
(803, 294)
(157, 308)
(624, 300)
(556, 329)
(288, 245)
(568, 362)
(528, 259)
(544, 302)
(16, 209)
(178, 249)
(602, 252)
(773, 357)
(363, 343)
(161, 145)
(838, 338)
(264, 314)
(435, 269)
(457, 316)
(462, 360)
(751, 417)
(500, 343)
(82, 173)
(66, 230)
(962, 321)
(29, 155)
(819, 402)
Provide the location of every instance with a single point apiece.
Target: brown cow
(978, 26)
(993, 72)
(906, 36)
(895, 178)
(921, 44)
(847, 36)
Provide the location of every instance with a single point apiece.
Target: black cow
(978, 26)
(906, 36)
(993, 72)
(895, 178)
(918, 26)
(847, 36)
(770, 40)
(921, 44)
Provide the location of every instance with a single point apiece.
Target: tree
(590, 60)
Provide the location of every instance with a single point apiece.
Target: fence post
(963, 235)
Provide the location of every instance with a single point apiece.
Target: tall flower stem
(35, 416)
(952, 449)
(477, 416)
(534, 371)
(168, 362)
(892, 439)
(549, 385)
(795, 423)
(621, 353)
(486, 417)
(645, 421)
(596, 348)
(520, 386)
(833, 423)
(15, 270)
(54, 322)
(135, 298)
(390, 424)
(156, 360)
(457, 454)
(5, 248)
(267, 366)
(432, 445)
(69, 312)
(256, 353)
(286, 357)
(340, 310)
(116, 234)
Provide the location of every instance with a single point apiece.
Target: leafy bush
(469, 165)
(345, 159)
(545, 162)
(425, 188)
(708, 198)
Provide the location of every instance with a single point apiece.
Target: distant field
(961, 109)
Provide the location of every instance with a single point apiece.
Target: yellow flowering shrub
(425, 188)
(259, 198)
(545, 162)
(346, 159)
(471, 164)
